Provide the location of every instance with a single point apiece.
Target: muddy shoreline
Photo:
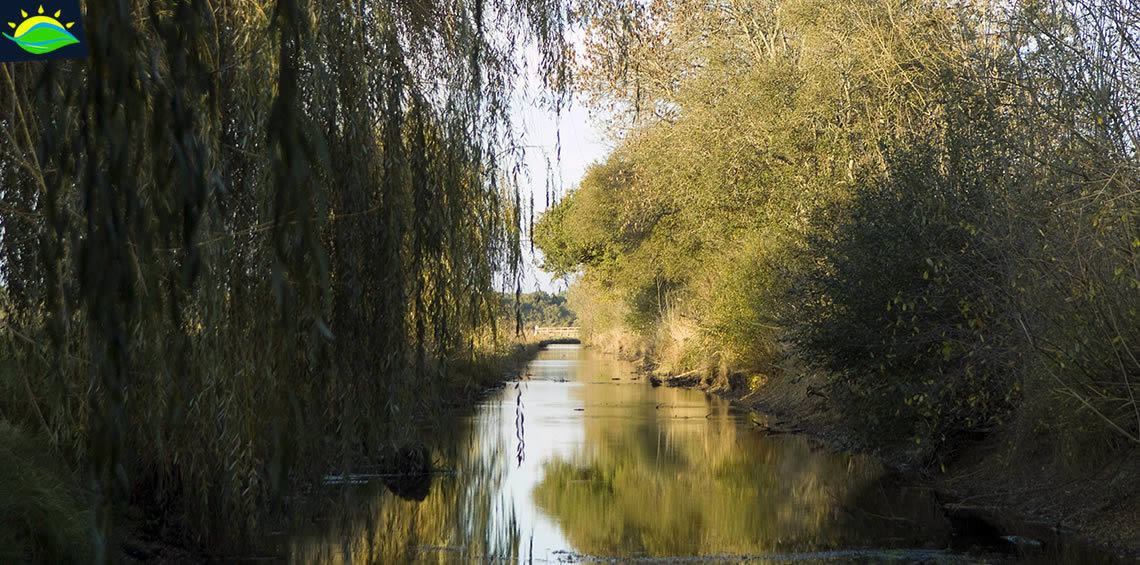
(1099, 508)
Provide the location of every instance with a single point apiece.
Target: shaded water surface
(583, 461)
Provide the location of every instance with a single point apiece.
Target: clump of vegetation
(539, 308)
(906, 303)
(42, 515)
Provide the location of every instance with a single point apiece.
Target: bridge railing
(555, 331)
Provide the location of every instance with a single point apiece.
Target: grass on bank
(42, 517)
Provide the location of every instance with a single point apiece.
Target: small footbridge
(556, 332)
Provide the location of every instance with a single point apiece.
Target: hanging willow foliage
(245, 235)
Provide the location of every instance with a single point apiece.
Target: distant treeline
(540, 309)
(935, 204)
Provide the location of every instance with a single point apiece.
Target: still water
(583, 461)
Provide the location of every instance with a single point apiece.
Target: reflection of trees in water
(675, 483)
(662, 472)
(463, 518)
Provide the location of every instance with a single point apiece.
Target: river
(583, 461)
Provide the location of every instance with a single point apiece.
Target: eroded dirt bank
(1100, 505)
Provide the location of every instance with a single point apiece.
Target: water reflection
(582, 461)
(668, 472)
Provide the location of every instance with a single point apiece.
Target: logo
(44, 34)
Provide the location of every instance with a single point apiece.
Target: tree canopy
(933, 203)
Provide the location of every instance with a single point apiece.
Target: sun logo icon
(41, 34)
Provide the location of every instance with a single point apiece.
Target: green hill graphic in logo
(41, 34)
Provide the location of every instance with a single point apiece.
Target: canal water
(584, 461)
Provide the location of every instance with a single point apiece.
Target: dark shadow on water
(406, 471)
(560, 341)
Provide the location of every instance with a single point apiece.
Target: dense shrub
(906, 305)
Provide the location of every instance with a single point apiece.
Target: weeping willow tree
(244, 236)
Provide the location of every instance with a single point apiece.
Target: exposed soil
(1100, 506)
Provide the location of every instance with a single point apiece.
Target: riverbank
(988, 478)
(145, 537)
(492, 372)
